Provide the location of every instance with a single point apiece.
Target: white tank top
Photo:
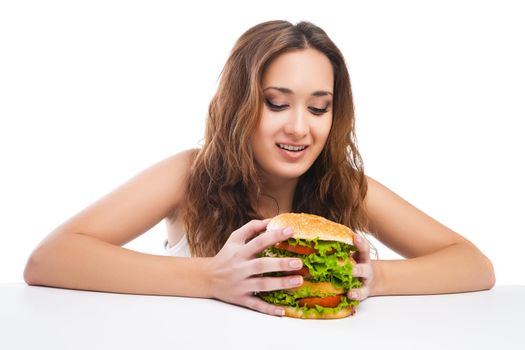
(181, 249)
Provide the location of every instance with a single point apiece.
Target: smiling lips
(291, 147)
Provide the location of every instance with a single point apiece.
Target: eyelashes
(274, 107)
(277, 108)
(318, 110)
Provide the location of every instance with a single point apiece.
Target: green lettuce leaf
(324, 265)
(280, 297)
(341, 249)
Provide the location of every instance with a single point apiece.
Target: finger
(362, 270)
(264, 284)
(258, 304)
(247, 231)
(359, 293)
(265, 240)
(363, 249)
(263, 265)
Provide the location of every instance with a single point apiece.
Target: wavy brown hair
(224, 185)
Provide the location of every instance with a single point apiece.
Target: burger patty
(317, 287)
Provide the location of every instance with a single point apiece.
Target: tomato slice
(303, 272)
(298, 249)
(331, 301)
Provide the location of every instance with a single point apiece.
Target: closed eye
(318, 111)
(274, 107)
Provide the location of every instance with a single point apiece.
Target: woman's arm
(438, 259)
(79, 261)
(85, 252)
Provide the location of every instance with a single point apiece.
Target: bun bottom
(291, 311)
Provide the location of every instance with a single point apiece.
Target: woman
(279, 138)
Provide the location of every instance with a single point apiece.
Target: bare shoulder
(138, 204)
(176, 170)
(171, 174)
(403, 227)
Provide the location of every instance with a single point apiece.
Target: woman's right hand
(235, 272)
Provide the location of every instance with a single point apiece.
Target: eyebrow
(290, 92)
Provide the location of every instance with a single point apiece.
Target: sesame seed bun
(308, 226)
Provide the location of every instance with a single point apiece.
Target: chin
(275, 167)
(290, 174)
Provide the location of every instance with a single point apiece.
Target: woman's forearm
(78, 261)
(458, 268)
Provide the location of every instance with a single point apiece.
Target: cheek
(266, 128)
(260, 138)
(322, 129)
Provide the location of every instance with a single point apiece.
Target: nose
(297, 123)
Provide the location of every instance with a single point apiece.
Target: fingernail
(296, 263)
(287, 232)
(357, 239)
(278, 312)
(295, 281)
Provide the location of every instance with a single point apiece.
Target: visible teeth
(291, 148)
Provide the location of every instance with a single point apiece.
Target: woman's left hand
(363, 269)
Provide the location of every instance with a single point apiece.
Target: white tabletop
(49, 318)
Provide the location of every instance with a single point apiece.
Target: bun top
(308, 226)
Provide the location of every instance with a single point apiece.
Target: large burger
(325, 248)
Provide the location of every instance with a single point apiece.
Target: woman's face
(297, 114)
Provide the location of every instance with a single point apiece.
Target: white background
(93, 92)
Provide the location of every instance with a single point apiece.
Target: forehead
(302, 71)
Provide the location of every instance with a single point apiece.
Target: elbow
(38, 265)
(484, 271)
(490, 276)
(41, 265)
(31, 275)
(480, 272)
